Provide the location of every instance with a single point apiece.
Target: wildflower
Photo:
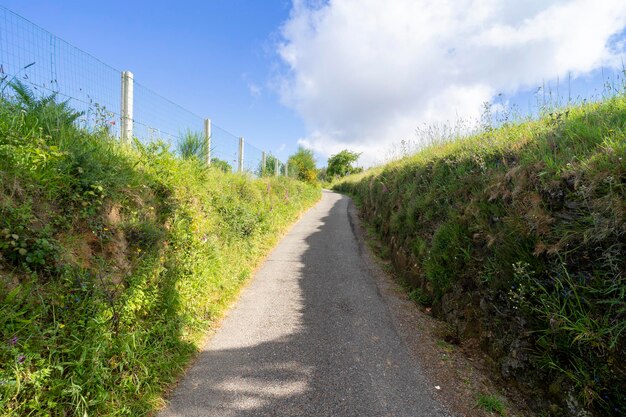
(13, 341)
(21, 358)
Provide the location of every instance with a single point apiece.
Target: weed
(491, 403)
(418, 296)
(445, 346)
(192, 145)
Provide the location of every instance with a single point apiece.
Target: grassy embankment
(115, 260)
(517, 238)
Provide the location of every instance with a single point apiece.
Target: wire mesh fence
(48, 65)
(156, 117)
(252, 162)
(224, 147)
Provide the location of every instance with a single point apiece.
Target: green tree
(321, 174)
(340, 165)
(221, 165)
(270, 166)
(302, 165)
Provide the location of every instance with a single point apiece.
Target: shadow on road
(336, 353)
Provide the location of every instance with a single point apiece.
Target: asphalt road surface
(310, 336)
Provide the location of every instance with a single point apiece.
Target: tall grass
(193, 145)
(517, 237)
(115, 259)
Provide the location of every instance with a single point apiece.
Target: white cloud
(365, 73)
(254, 90)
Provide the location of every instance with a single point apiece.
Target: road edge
(454, 377)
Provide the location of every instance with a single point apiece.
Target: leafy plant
(43, 113)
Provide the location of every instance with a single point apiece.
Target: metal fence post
(276, 167)
(126, 128)
(207, 140)
(240, 159)
(263, 162)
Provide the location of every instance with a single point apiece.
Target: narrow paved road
(310, 336)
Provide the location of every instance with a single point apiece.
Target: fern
(46, 112)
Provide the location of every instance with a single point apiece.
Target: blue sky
(355, 74)
(215, 58)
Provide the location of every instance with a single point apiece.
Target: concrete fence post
(263, 162)
(126, 127)
(207, 140)
(276, 167)
(240, 157)
(287, 169)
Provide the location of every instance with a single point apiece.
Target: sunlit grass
(115, 260)
(522, 228)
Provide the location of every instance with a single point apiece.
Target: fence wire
(48, 65)
(252, 162)
(156, 117)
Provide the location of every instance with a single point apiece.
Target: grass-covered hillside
(115, 260)
(517, 237)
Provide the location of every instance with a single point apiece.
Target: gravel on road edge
(460, 372)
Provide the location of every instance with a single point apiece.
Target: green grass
(520, 232)
(115, 260)
(492, 404)
(445, 346)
